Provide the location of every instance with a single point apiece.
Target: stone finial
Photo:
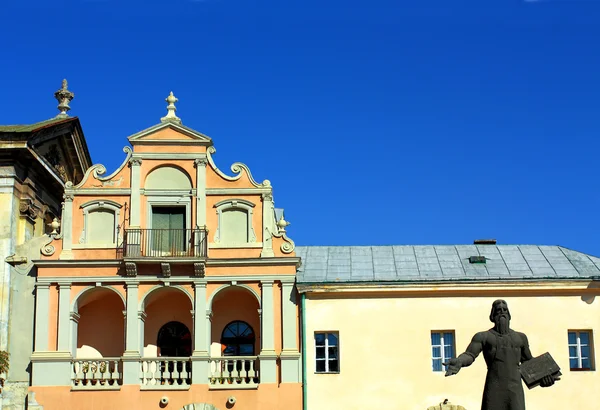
(171, 99)
(282, 224)
(64, 97)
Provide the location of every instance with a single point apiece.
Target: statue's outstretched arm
(468, 357)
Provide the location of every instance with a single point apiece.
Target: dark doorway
(174, 340)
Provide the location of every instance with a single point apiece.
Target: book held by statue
(534, 370)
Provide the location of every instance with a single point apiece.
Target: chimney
(484, 242)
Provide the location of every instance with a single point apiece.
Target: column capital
(200, 284)
(131, 285)
(267, 283)
(42, 286)
(64, 285)
(135, 162)
(201, 162)
(142, 315)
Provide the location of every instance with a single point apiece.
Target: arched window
(100, 223)
(234, 223)
(174, 340)
(238, 339)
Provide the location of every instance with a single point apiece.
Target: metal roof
(331, 264)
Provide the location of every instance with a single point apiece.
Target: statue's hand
(547, 381)
(454, 366)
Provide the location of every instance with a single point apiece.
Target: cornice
(76, 263)
(46, 281)
(533, 285)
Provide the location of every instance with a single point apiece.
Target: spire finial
(64, 97)
(171, 99)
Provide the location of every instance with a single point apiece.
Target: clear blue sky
(378, 122)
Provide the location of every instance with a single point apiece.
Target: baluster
(155, 368)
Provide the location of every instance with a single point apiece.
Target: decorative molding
(167, 155)
(104, 191)
(28, 210)
(165, 192)
(130, 269)
(237, 168)
(199, 269)
(197, 138)
(237, 191)
(268, 196)
(165, 268)
(135, 162)
(234, 203)
(109, 281)
(68, 196)
(75, 317)
(98, 170)
(47, 248)
(276, 261)
(288, 245)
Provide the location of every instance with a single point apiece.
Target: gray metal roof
(330, 264)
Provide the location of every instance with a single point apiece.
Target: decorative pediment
(169, 133)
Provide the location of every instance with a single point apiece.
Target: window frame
(235, 204)
(326, 346)
(96, 205)
(578, 346)
(442, 345)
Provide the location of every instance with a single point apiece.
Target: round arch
(223, 287)
(75, 302)
(142, 304)
(168, 176)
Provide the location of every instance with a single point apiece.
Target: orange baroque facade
(170, 284)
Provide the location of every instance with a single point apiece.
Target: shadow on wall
(589, 298)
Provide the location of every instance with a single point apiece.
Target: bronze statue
(503, 350)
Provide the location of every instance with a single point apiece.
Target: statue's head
(500, 315)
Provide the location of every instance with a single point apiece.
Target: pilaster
(64, 317)
(134, 212)
(131, 356)
(268, 217)
(67, 226)
(200, 165)
(42, 307)
(268, 358)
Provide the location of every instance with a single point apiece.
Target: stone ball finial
(64, 97)
(171, 99)
(282, 224)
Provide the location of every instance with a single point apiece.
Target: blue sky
(377, 122)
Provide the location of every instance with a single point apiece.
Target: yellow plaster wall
(385, 349)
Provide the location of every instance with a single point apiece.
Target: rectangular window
(442, 348)
(327, 352)
(580, 350)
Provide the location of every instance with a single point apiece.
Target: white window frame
(441, 346)
(578, 345)
(327, 359)
(94, 205)
(239, 204)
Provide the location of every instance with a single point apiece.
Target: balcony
(165, 243)
(166, 373)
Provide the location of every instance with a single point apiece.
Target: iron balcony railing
(165, 243)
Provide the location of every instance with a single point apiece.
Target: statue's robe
(503, 354)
